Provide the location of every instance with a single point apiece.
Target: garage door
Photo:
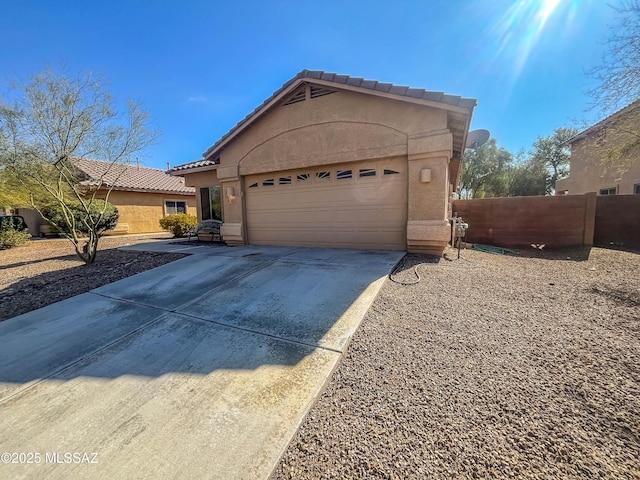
(355, 205)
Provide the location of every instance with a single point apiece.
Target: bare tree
(618, 84)
(52, 120)
(618, 75)
(617, 141)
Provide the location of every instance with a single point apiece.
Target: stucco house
(142, 195)
(604, 157)
(336, 161)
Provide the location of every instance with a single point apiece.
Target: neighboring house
(604, 157)
(335, 161)
(142, 195)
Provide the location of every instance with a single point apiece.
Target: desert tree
(527, 177)
(551, 155)
(53, 119)
(485, 171)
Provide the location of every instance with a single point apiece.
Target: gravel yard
(490, 367)
(46, 271)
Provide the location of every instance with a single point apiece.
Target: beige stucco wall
(142, 211)
(341, 127)
(589, 156)
(337, 128)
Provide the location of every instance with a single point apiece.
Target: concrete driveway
(201, 368)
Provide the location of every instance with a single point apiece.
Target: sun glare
(547, 8)
(520, 28)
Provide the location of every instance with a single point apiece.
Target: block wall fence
(558, 221)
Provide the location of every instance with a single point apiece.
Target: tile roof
(192, 165)
(131, 177)
(454, 101)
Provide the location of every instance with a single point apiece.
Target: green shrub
(10, 237)
(178, 223)
(109, 219)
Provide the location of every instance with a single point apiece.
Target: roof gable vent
(320, 91)
(299, 95)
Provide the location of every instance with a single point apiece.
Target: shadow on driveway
(195, 315)
(201, 368)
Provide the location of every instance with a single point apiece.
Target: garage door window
(268, 183)
(284, 180)
(344, 174)
(323, 175)
(390, 172)
(367, 172)
(210, 203)
(303, 177)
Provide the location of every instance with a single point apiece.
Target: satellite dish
(477, 138)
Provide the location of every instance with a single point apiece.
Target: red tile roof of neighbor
(196, 164)
(131, 177)
(400, 92)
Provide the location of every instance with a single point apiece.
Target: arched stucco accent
(323, 143)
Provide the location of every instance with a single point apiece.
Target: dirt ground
(490, 367)
(42, 272)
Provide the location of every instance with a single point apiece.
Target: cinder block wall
(618, 221)
(520, 221)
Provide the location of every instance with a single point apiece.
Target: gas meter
(460, 228)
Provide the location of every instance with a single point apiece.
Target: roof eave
(248, 120)
(460, 159)
(185, 171)
(297, 81)
(598, 125)
(148, 190)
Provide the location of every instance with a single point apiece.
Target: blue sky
(201, 66)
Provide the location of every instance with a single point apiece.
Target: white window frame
(175, 206)
(608, 191)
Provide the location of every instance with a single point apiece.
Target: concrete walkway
(201, 368)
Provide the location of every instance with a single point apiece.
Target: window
(268, 183)
(390, 172)
(210, 203)
(284, 180)
(323, 175)
(636, 189)
(254, 185)
(367, 172)
(344, 174)
(609, 191)
(172, 206)
(303, 177)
